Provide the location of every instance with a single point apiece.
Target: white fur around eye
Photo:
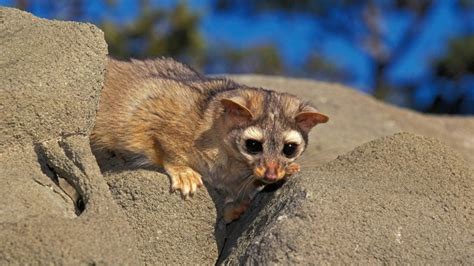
(293, 136)
(253, 133)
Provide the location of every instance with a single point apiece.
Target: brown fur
(171, 116)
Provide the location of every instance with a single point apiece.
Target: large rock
(170, 230)
(401, 199)
(51, 74)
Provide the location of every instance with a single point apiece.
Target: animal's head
(267, 130)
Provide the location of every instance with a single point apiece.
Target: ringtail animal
(237, 138)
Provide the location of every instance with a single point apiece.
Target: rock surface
(395, 200)
(398, 199)
(51, 70)
(170, 230)
(52, 74)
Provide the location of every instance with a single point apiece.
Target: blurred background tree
(383, 33)
(364, 23)
(455, 78)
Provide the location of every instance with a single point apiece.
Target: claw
(292, 169)
(193, 188)
(185, 180)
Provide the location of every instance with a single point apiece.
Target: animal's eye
(253, 146)
(289, 149)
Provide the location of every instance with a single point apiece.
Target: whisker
(247, 181)
(242, 185)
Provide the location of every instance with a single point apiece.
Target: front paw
(233, 211)
(184, 179)
(292, 169)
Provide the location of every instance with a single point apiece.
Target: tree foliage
(455, 78)
(363, 23)
(157, 32)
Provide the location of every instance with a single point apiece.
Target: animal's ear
(235, 107)
(310, 117)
